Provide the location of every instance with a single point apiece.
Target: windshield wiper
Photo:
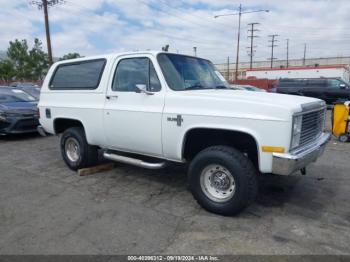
(194, 87)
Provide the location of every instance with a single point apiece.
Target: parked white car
(152, 108)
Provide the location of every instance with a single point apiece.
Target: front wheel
(223, 180)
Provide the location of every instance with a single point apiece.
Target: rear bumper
(288, 163)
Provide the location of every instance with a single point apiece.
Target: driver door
(132, 118)
(337, 90)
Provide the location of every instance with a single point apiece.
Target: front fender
(265, 133)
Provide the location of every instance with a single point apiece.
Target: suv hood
(263, 98)
(240, 103)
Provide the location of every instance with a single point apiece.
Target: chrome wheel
(217, 183)
(72, 149)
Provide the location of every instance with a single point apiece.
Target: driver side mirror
(143, 89)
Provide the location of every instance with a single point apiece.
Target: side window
(78, 75)
(134, 71)
(316, 83)
(292, 83)
(334, 83)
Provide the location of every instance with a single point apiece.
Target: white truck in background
(331, 71)
(152, 108)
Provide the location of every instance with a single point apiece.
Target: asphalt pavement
(47, 209)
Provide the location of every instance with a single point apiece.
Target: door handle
(111, 97)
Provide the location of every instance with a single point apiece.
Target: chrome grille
(312, 125)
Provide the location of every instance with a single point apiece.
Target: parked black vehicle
(23, 84)
(330, 90)
(18, 112)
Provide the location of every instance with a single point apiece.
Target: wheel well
(62, 124)
(198, 139)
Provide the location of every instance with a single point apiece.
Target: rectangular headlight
(296, 131)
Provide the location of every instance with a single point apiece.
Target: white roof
(112, 55)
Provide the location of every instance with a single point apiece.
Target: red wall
(4, 83)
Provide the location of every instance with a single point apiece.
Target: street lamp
(240, 13)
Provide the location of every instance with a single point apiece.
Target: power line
(44, 4)
(180, 16)
(239, 14)
(272, 41)
(252, 36)
(199, 41)
(197, 17)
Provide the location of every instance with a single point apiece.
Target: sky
(92, 27)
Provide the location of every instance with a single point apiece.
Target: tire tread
(249, 171)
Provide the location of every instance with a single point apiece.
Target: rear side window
(292, 83)
(79, 75)
(316, 83)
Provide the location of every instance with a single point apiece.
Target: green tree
(7, 70)
(18, 54)
(38, 61)
(28, 64)
(70, 56)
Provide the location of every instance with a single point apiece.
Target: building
(243, 67)
(319, 71)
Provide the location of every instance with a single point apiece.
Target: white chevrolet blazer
(153, 108)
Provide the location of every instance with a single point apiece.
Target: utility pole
(195, 50)
(240, 13)
(272, 41)
(252, 36)
(304, 58)
(287, 65)
(228, 69)
(238, 37)
(44, 4)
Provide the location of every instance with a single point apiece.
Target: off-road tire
(242, 170)
(88, 154)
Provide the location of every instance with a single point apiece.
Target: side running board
(133, 161)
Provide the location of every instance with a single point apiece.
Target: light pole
(240, 13)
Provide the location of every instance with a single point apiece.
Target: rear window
(78, 75)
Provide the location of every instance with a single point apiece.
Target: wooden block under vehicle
(95, 169)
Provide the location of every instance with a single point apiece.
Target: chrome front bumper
(288, 163)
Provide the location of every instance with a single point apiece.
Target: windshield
(33, 91)
(190, 73)
(14, 95)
